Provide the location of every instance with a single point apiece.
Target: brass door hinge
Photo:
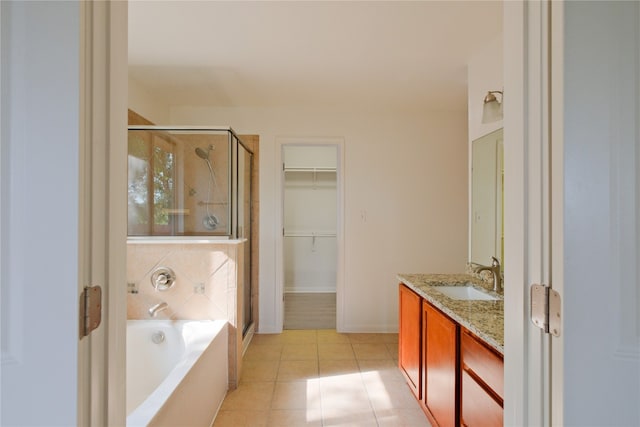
(545, 309)
(90, 309)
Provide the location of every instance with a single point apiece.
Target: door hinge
(545, 309)
(90, 309)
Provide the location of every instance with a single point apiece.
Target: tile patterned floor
(321, 378)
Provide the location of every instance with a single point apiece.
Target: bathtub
(176, 372)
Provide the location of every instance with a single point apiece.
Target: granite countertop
(484, 318)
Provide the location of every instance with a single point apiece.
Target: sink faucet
(153, 311)
(494, 268)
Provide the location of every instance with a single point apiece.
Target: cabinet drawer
(484, 362)
(478, 407)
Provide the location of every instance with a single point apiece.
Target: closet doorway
(310, 250)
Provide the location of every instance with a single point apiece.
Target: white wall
(406, 198)
(484, 73)
(143, 102)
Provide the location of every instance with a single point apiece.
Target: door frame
(338, 143)
(526, 208)
(556, 165)
(102, 194)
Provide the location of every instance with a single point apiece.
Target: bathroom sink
(467, 293)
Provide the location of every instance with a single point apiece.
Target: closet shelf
(314, 172)
(309, 234)
(286, 169)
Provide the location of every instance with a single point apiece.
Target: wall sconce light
(492, 108)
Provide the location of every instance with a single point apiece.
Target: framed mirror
(487, 184)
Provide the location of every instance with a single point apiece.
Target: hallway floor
(321, 378)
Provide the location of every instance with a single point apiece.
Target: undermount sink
(467, 293)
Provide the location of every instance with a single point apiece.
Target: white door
(55, 126)
(571, 211)
(596, 140)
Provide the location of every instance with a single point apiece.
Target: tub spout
(153, 311)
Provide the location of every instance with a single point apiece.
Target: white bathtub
(179, 381)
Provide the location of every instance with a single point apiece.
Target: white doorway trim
(526, 364)
(337, 142)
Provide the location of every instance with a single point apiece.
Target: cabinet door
(409, 338)
(440, 364)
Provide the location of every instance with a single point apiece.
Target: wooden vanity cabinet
(409, 339)
(482, 383)
(440, 367)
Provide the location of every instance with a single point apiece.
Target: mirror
(487, 183)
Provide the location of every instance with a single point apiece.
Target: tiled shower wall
(208, 285)
(205, 285)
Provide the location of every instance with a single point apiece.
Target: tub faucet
(153, 311)
(494, 268)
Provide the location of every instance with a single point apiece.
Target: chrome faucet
(153, 311)
(494, 268)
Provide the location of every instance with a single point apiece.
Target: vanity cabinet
(455, 375)
(409, 338)
(482, 383)
(440, 349)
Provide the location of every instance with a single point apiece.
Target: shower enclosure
(188, 182)
(191, 184)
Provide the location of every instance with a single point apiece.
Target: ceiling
(350, 54)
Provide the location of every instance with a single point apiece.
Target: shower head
(204, 155)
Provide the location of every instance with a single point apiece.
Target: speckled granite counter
(484, 318)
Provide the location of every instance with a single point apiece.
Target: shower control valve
(163, 278)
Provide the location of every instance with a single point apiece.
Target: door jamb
(525, 133)
(103, 128)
